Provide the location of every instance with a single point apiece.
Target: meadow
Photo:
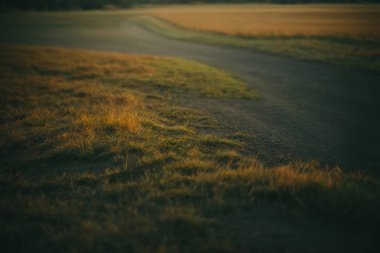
(99, 153)
(345, 35)
(276, 20)
(97, 156)
(340, 34)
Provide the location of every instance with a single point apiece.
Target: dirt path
(307, 110)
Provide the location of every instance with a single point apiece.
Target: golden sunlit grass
(277, 20)
(83, 104)
(96, 160)
(340, 34)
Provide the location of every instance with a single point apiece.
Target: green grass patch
(94, 158)
(349, 51)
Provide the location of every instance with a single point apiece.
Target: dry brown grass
(97, 163)
(283, 20)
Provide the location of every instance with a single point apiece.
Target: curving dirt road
(307, 110)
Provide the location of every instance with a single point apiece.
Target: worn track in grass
(307, 110)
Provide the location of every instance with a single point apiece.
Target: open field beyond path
(276, 20)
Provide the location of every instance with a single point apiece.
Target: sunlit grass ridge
(96, 156)
(84, 104)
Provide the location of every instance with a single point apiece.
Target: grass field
(277, 20)
(340, 34)
(96, 157)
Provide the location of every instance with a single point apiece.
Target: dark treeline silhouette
(62, 4)
(98, 4)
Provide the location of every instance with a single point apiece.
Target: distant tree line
(98, 4)
(62, 4)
